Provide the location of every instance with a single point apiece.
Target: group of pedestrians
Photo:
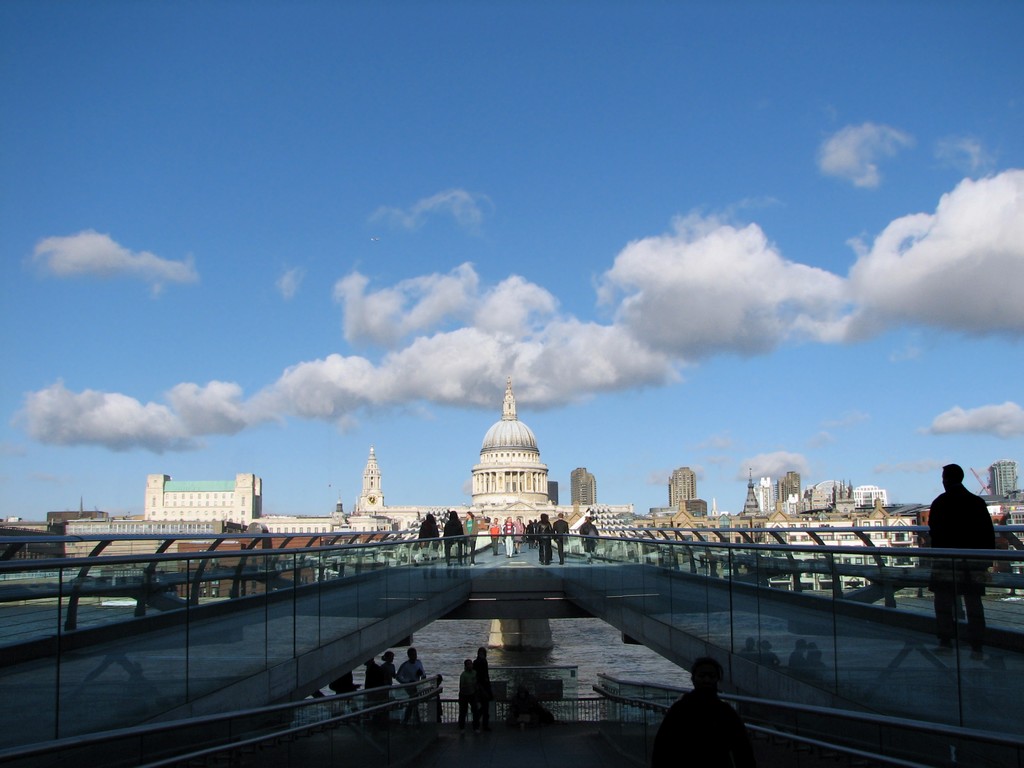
(475, 692)
(379, 677)
(459, 536)
(546, 536)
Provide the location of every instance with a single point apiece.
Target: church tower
(750, 506)
(372, 497)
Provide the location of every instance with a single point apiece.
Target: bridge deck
(559, 745)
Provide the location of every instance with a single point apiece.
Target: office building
(681, 486)
(238, 501)
(765, 491)
(865, 496)
(787, 492)
(584, 487)
(1002, 477)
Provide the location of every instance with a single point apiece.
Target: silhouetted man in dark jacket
(959, 520)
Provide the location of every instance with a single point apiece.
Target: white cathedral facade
(510, 480)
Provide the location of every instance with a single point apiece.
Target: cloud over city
(1003, 420)
(958, 269)
(90, 253)
(707, 287)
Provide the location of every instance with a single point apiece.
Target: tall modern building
(788, 486)
(765, 495)
(237, 501)
(1002, 477)
(681, 486)
(584, 487)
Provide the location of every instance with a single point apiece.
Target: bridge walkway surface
(556, 746)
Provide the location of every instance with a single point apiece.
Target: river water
(588, 644)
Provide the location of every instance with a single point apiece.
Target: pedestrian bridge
(196, 627)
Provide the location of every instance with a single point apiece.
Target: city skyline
(743, 238)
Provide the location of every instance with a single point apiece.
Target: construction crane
(982, 481)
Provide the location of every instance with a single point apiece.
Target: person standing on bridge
(509, 531)
(589, 533)
(468, 700)
(427, 534)
(411, 671)
(452, 537)
(702, 730)
(561, 529)
(484, 692)
(470, 528)
(543, 532)
(495, 531)
(959, 520)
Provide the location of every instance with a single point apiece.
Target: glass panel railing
(637, 710)
(349, 730)
(854, 622)
(97, 643)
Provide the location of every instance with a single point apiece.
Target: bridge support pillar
(521, 634)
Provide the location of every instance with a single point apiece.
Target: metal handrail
(902, 724)
(137, 733)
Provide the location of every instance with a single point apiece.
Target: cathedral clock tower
(372, 497)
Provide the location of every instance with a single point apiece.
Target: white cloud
(704, 288)
(848, 419)
(774, 464)
(514, 307)
(92, 253)
(708, 288)
(288, 283)
(466, 208)
(964, 153)
(919, 467)
(57, 416)
(1006, 420)
(417, 305)
(216, 408)
(961, 268)
(853, 152)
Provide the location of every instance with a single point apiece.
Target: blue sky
(262, 237)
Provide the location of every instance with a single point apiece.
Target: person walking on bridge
(509, 530)
(543, 533)
(959, 520)
(561, 529)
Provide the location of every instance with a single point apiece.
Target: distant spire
(750, 506)
(508, 408)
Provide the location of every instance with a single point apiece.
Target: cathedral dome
(510, 472)
(509, 434)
